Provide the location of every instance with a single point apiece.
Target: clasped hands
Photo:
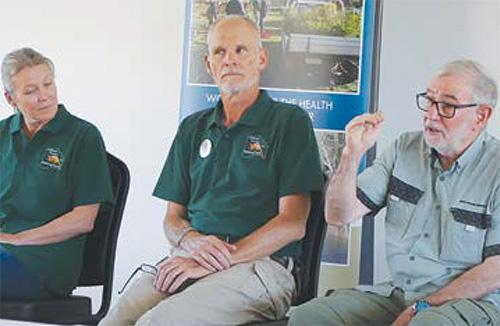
(207, 255)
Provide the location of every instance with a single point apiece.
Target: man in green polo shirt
(237, 180)
(53, 177)
(441, 188)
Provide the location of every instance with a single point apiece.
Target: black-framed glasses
(145, 268)
(444, 109)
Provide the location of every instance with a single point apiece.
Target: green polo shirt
(63, 166)
(438, 223)
(231, 179)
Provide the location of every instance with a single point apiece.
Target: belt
(282, 260)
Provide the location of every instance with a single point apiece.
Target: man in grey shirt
(441, 187)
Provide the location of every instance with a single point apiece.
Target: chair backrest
(312, 246)
(100, 247)
(366, 261)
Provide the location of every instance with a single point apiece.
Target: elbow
(332, 217)
(335, 222)
(85, 218)
(299, 232)
(88, 225)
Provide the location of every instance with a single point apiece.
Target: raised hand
(363, 131)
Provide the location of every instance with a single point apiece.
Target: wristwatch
(420, 305)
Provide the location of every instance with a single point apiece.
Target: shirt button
(448, 270)
(408, 282)
(412, 258)
(441, 178)
(426, 235)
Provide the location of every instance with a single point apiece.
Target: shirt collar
(471, 152)
(53, 126)
(253, 116)
(15, 123)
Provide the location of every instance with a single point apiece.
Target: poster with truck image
(323, 58)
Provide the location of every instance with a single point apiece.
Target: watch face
(420, 305)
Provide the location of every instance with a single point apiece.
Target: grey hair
(247, 20)
(483, 87)
(17, 60)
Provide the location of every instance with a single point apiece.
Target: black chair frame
(97, 270)
(310, 259)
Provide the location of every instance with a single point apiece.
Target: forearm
(268, 239)
(473, 284)
(288, 226)
(76, 222)
(340, 199)
(175, 223)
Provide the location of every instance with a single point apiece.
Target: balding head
(233, 21)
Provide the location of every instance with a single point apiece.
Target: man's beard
(237, 88)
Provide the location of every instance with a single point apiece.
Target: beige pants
(260, 290)
(353, 307)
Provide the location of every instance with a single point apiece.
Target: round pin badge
(205, 148)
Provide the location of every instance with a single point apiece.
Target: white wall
(118, 65)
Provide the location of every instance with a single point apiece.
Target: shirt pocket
(401, 205)
(464, 236)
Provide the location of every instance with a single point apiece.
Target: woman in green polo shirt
(53, 178)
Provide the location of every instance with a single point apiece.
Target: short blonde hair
(17, 60)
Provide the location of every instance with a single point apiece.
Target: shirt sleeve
(299, 168)
(91, 179)
(174, 183)
(492, 243)
(373, 182)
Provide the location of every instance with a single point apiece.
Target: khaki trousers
(354, 307)
(260, 290)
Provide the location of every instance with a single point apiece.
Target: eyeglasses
(145, 268)
(444, 109)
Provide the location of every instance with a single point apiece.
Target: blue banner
(322, 57)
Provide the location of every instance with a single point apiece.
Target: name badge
(205, 148)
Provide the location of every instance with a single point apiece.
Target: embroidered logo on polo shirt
(53, 158)
(255, 146)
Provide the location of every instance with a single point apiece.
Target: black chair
(97, 270)
(310, 259)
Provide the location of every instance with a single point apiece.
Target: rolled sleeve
(492, 242)
(373, 182)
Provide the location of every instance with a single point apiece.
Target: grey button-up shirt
(438, 223)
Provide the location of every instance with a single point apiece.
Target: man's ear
(483, 114)
(263, 58)
(208, 67)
